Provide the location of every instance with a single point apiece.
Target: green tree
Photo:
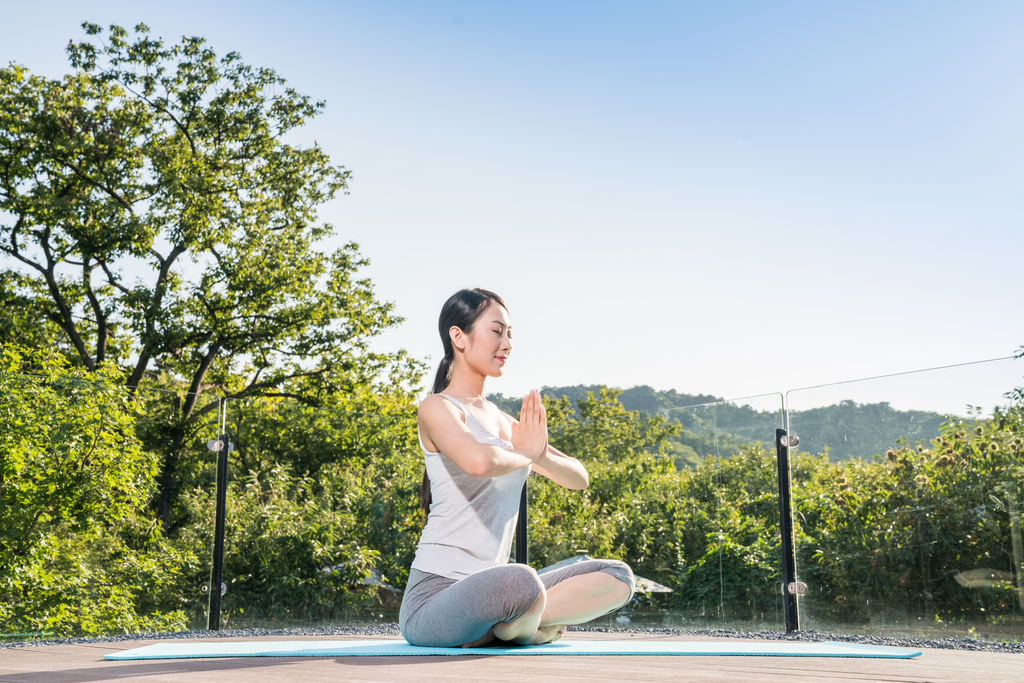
(154, 213)
(625, 454)
(75, 557)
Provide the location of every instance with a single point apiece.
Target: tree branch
(111, 279)
(65, 320)
(160, 108)
(197, 381)
(146, 352)
(120, 200)
(101, 318)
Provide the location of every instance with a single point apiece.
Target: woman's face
(487, 347)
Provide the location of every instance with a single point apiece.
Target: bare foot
(548, 634)
(488, 637)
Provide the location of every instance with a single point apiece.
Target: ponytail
(441, 381)
(444, 371)
(461, 310)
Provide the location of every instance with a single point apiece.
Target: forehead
(496, 313)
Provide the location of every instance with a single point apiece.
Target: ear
(458, 337)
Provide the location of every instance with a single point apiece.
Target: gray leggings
(442, 612)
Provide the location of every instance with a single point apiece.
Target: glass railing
(322, 513)
(177, 427)
(906, 494)
(92, 472)
(323, 520)
(687, 496)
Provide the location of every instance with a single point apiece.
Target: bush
(77, 558)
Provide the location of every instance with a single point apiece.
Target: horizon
(900, 391)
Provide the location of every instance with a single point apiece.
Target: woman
(461, 590)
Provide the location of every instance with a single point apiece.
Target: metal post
(522, 553)
(221, 446)
(790, 587)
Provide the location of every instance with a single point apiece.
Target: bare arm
(562, 469)
(442, 423)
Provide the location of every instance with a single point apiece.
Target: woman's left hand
(530, 434)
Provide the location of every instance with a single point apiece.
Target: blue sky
(728, 198)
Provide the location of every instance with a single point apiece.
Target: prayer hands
(530, 434)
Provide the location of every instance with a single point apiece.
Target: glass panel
(176, 428)
(85, 462)
(322, 514)
(907, 492)
(687, 496)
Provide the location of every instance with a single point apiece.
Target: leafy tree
(611, 432)
(21, 324)
(294, 552)
(624, 453)
(153, 212)
(75, 557)
(895, 532)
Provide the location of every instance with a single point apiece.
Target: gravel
(392, 630)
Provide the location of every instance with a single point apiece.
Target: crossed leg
(572, 600)
(510, 602)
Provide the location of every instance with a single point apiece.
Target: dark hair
(462, 310)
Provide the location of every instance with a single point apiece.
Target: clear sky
(728, 198)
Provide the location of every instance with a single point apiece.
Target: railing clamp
(789, 441)
(795, 588)
(217, 445)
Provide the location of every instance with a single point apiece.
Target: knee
(523, 591)
(521, 576)
(621, 571)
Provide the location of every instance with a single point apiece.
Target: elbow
(582, 485)
(481, 468)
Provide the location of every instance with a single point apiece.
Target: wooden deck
(84, 663)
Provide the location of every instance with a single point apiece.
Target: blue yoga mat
(400, 648)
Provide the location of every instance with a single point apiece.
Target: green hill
(848, 430)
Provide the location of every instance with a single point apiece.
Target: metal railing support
(522, 551)
(222, 447)
(790, 587)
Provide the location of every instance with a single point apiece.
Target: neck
(466, 383)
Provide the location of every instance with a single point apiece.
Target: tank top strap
(471, 420)
(458, 404)
(475, 425)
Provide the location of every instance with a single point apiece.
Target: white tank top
(472, 519)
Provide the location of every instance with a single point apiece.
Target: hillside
(847, 430)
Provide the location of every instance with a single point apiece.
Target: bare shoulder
(437, 409)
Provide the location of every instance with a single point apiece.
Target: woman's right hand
(530, 434)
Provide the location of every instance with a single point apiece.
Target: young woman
(462, 591)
